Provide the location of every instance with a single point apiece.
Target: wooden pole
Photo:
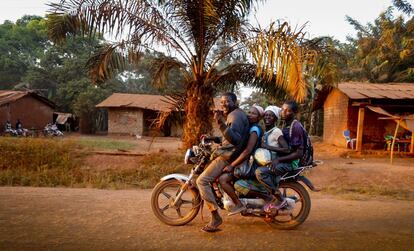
(412, 142)
(393, 140)
(360, 128)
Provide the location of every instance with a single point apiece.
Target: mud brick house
(357, 107)
(133, 114)
(33, 110)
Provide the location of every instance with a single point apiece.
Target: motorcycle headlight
(188, 154)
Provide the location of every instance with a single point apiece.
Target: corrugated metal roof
(11, 96)
(358, 90)
(143, 101)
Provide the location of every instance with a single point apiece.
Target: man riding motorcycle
(235, 129)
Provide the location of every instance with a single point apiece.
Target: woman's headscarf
(259, 109)
(275, 109)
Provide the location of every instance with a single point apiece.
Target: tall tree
(21, 45)
(385, 48)
(188, 31)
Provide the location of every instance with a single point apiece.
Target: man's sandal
(210, 229)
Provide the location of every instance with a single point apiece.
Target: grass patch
(147, 173)
(106, 144)
(52, 163)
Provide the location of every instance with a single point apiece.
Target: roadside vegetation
(59, 163)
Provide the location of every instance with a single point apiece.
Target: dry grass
(145, 174)
(52, 163)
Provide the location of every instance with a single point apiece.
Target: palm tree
(189, 32)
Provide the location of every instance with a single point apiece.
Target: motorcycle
(176, 201)
(52, 130)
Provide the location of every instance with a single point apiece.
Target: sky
(322, 17)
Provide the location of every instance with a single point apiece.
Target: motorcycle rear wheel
(300, 212)
(162, 197)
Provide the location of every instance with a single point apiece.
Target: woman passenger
(273, 141)
(230, 172)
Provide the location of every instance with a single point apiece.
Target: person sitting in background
(19, 128)
(7, 126)
(19, 125)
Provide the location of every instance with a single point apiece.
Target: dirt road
(90, 219)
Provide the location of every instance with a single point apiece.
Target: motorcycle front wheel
(162, 203)
(300, 211)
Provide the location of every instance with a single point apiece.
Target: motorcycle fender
(177, 176)
(308, 183)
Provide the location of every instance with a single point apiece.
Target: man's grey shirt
(236, 129)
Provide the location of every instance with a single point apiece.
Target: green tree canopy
(21, 45)
(384, 49)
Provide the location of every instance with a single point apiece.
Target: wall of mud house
(336, 118)
(33, 113)
(125, 121)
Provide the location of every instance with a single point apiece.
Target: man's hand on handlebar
(228, 169)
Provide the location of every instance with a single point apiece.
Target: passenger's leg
(281, 169)
(226, 183)
(270, 179)
(267, 178)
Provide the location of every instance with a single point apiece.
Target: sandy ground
(92, 219)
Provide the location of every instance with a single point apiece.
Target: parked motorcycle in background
(52, 130)
(176, 201)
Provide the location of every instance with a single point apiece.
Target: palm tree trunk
(198, 112)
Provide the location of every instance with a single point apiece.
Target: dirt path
(90, 219)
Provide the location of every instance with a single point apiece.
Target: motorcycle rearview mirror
(188, 154)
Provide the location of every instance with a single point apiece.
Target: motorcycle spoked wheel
(300, 212)
(162, 198)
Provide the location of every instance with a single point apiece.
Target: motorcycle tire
(303, 214)
(158, 210)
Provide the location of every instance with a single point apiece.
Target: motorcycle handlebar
(207, 139)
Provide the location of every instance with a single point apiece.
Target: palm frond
(162, 66)
(403, 6)
(60, 26)
(175, 115)
(139, 21)
(280, 58)
(111, 59)
(357, 25)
